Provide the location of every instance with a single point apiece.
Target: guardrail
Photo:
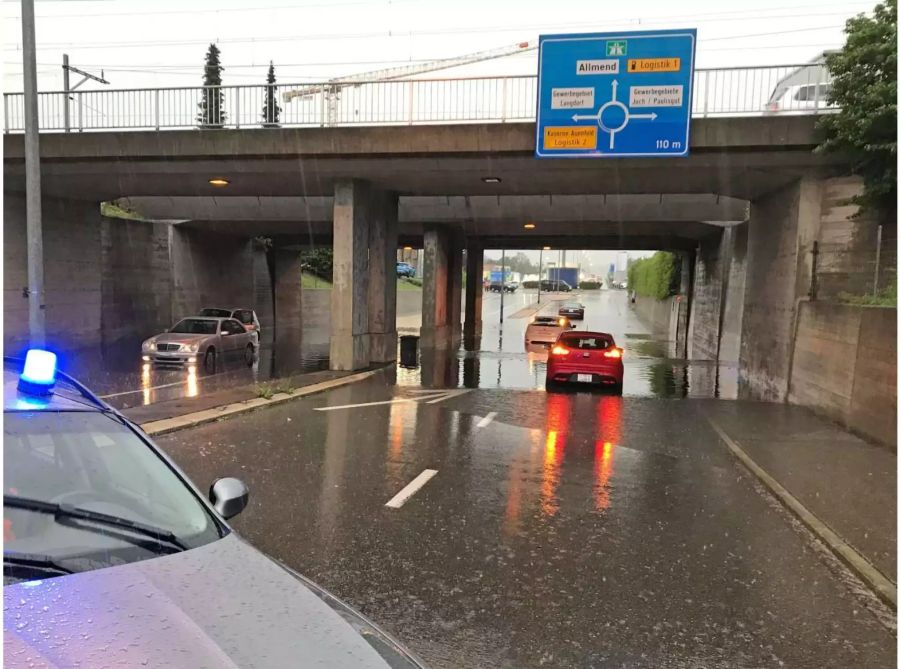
(746, 91)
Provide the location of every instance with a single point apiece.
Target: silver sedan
(200, 340)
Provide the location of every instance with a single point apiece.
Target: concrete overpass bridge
(748, 199)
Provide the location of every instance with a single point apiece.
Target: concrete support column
(382, 282)
(350, 347)
(455, 289)
(474, 292)
(435, 310)
(287, 299)
(684, 306)
(783, 225)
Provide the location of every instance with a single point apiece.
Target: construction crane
(332, 88)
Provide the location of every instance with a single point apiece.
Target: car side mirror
(229, 496)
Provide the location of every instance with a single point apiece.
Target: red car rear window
(586, 342)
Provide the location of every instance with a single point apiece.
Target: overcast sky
(141, 44)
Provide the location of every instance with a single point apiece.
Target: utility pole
(502, 282)
(68, 89)
(35, 241)
(540, 272)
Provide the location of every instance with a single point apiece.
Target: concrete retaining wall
(845, 367)
(209, 270)
(136, 285)
(660, 315)
(72, 273)
(848, 245)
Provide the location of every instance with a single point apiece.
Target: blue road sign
(607, 95)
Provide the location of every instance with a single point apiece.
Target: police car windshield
(92, 461)
(194, 326)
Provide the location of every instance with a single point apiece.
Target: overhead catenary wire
(374, 35)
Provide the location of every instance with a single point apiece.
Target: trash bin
(409, 351)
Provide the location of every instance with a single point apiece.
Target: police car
(112, 556)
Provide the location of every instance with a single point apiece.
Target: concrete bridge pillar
(782, 228)
(349, 292)
(474, 294)
(455, 289)
(441, 289)
(363, 295)
(382, 282)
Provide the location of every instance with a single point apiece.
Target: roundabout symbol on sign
(613, 104)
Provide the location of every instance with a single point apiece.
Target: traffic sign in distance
(607, 95)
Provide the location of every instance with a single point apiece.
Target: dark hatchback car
(112, 556)
(572, 310)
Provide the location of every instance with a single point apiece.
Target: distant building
(621, 273)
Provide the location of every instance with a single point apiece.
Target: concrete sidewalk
(847, 483)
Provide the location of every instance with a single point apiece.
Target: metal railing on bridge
(745, 91)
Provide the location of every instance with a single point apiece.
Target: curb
(877, 582)
(167, 425)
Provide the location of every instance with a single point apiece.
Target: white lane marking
(449, 395)
(411, 489)
(141, 390)
(365, 404)
(484, 422)
(880, 584)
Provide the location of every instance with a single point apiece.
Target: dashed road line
(411, 489)
(484, 422)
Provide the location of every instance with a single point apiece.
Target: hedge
(590, 285)
(655, 276)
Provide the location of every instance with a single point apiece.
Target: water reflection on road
(500, 358)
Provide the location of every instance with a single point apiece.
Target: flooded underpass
(501, 359)
(498, 360)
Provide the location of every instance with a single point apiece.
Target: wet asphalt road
(569, 530)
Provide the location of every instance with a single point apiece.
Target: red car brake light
(559, 350)
(613, 353)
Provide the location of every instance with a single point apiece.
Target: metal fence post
(237, 107)
(156, 108)
(410, 105)
(877, 261)
(80, 112)
(503, 102)
(322, 123)
(705, 93)
(5, 113)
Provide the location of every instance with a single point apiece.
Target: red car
(585, 357)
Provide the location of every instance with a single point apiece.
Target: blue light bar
(39, 375)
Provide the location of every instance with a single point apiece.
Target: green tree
(318, 261)
(271, 112)
(212, 99)
(655, 276)
(865, 89)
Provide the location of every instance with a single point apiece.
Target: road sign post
(608, 95)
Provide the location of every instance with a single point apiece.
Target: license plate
(584, 378)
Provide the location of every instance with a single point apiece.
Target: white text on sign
(572, 98)
(656, 96)
(610, 66)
